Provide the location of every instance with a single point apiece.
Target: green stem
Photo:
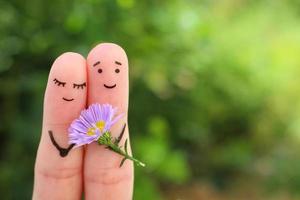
(107, 140)
(118, 150)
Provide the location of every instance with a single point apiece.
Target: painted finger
(108, 84)
(58, 167)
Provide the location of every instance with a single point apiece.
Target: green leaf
(126, 146)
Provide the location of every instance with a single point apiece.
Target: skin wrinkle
(58, 173)
(109, 176)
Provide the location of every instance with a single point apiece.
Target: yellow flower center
(100, 125)
(91, 131)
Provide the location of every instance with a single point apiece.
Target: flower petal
(88, 119)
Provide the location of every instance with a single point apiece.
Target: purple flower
(92, 123)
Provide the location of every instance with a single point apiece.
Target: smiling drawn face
(108, 73)
(66, 89)
(63, 84)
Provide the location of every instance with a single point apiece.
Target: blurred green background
(214, 94)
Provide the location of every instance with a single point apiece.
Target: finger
(58, 167)
(108, 83)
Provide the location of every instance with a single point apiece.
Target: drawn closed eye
(59, 83)
(79, 86)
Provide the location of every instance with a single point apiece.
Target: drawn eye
(99, 71)
(117, 70)
(79, 86)
(59, 83)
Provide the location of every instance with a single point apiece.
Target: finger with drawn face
(107, 67)
(58, 168)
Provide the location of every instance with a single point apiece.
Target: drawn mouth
(110, 87)
(67, 99)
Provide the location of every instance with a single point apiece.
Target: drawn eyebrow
(118, 63)
(96, 63)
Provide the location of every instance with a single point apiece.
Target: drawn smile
(67, 99)
(110, 87)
